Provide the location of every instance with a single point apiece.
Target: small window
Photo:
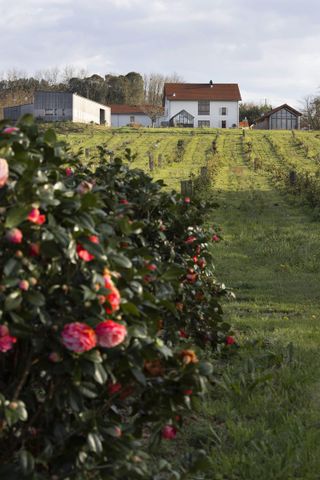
(204, 123)
(223, 124)
(223, 111)
(132, 119)
(204, 107)
(49, 111)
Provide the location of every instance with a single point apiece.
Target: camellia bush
(108, 309)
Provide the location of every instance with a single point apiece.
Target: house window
(223, 123)
(49, 111)
(223, 111)
(204, 123)
(132, 119)
(204, 107)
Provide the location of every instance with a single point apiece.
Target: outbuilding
(279, 118)
(61, 107)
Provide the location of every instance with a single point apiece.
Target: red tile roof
(202, 91)
(128, 109)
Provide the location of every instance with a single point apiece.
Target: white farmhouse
(202, 104)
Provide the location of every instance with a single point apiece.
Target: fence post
(186, 187)
(292, 177)
(87, 152)
(151, 162)
(204, 172)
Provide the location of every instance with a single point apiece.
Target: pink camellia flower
(230, 340)
(84, 187)
(114, 388)
(78, 337)
(187, 200)
(68, 171)
(54, 357)
(34, 249)
(35, 217)
(9, 130)
(24, 285)
(6, 340)
(110, 333)
(14, 235)
(117, 431)
(169, 432)
(4, 172)
(215, 238)
(190, 240)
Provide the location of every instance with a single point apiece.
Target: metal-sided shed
(61, 107)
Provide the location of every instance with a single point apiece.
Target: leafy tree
(252, 111)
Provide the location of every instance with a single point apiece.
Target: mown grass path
(264, 414)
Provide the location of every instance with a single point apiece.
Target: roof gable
(202, 91)
(274, 110)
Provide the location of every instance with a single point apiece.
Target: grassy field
(261, 420)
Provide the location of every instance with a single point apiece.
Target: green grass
(261, 420)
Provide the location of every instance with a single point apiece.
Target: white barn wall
(123, 119)
(191, 106)
(86, 111)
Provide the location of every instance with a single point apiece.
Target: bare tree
(311, 112)
(153, 86)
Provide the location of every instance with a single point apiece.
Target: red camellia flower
(183, 334)
(94, 239)
(113, 298)
(14, 235)
(34, 249)
(230, 340)
(68, 171)
(78, 337)
(202, 263)
(169, 432)
(187, 200)
(123, 201)
(110, 333)
(152, 267)
(114, 388)
(195, 259)
(6, 340)
(198, 249)
(4, 172)
(215, 238)
(187, 392)
(35, 217)
(190, 240)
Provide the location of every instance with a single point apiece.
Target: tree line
(17, 88)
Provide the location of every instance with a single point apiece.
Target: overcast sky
(271, 48)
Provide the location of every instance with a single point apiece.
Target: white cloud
(271, 48)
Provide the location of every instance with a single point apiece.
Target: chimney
(211, 82)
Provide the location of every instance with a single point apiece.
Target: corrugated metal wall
(53, 106)
(14, 113)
